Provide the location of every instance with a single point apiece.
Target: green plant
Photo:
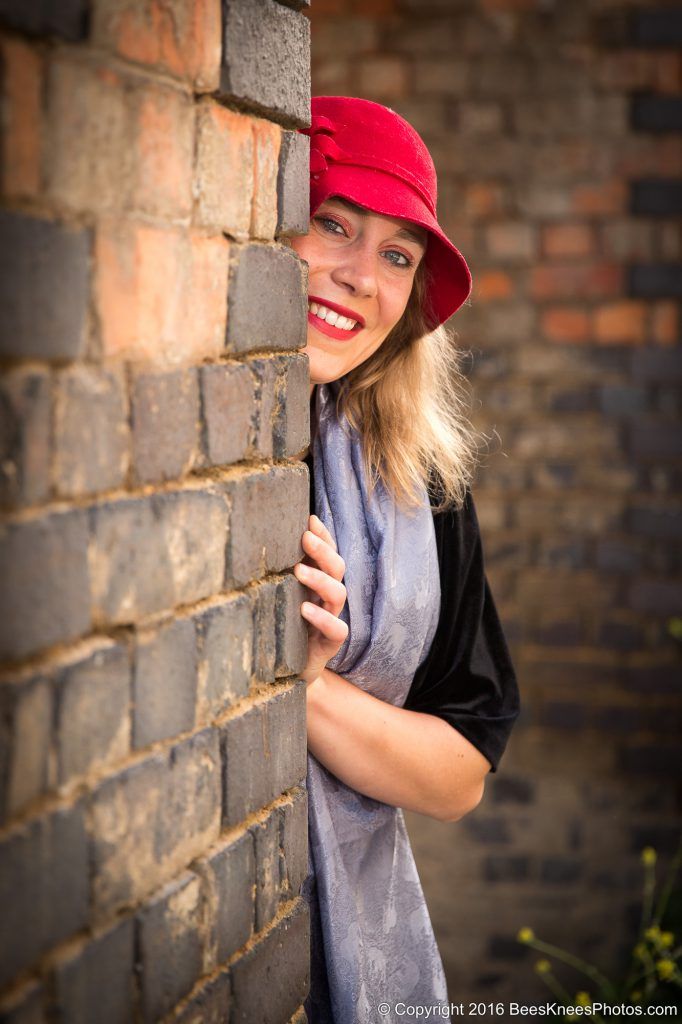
(654, 971)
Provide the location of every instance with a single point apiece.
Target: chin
(324, 366)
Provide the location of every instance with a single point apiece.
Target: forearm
(405, 758)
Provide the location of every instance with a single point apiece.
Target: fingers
(323, 554)
(332, 592)
(332, 628)
(316, 526)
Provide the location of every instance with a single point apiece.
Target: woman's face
(361, 270)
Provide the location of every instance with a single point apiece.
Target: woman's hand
(322, 572)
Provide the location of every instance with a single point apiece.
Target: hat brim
(450, 283)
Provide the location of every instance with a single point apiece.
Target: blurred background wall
(554, 127)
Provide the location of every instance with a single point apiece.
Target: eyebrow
(400, 233)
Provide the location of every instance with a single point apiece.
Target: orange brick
(90, 148)
(576, 281)
(665, 323)
(161, 294)
(483, 200)
(22, 82)
(603, 199)
(225, 174)
(182, 38)
(383, 76)
(267, 140)
(566, 323)
(511, 240)
(621, 323)
(568, 240)
(371, 7)
(493, 284)
(323, 7)
(164, 152)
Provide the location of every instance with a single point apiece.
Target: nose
(357, 271)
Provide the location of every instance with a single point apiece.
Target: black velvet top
(467, 677)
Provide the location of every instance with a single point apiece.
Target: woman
(411, 692)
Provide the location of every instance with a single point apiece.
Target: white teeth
(332, 317)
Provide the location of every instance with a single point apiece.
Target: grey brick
(274, 317)
(621, 636)
(25, 409)
(25, 736)
(266, 837)
(293, 185)
(656, 597)
(656, 197)
(294, 840)
(618, 555)
(662, 27)
(271, 981)
(25, 1006)
(652, 759)
(655, 438)
(506, 868)
(266, 58)
(266, 372)
(653, 113)
(512, 789)
(225, 658)
(151, 819)
(165, 412)
(292, 422)
(96, 984)
(164, 682)
(269, 513)
(91, 430)
(559, 870)
(487, 830)
(264, 631)
(228, 396)
(558, 714)
(155, 552)
(44, 278)
(655, 521)
(211, 1004)
(170, 943)
(92, 720)
(264, 753)
(45, 584)
(622, 400)
(662, 365)
(291, 628)
(655, 280)
(43, 887)
(233, 873)
(65, 18)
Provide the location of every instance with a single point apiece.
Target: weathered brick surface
(272, 732)
(293, 202)
(164, 683)
(271, 981)
(258, 544)
(227, 402)
(170, 942)
(210, 1004)
(165, 422)
(65, 19)
(225, 657)
(41, 908)
(21, 85)
(92, 701)
(91, 433)
(151, 819)
(27, 710)
(41, 262)
(25, 412)
(149, 554)
(45, 582)
(183, 40)
(276, 319)
(266, 58)
(266, 838)
(104, 965)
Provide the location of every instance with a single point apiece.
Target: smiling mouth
(331, 323)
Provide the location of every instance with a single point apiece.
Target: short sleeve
(467, 678)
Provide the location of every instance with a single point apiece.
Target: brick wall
(554, 128)
(153, 827)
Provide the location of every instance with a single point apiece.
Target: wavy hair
(410, 403)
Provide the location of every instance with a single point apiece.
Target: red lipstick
(330, 329)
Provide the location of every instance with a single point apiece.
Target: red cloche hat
(365, 152)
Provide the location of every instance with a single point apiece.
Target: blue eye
(394, 252)
(328, 220)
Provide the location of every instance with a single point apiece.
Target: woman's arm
(404, 758)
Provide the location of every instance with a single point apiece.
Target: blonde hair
(409, 402)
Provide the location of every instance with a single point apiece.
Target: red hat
(365, 152)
